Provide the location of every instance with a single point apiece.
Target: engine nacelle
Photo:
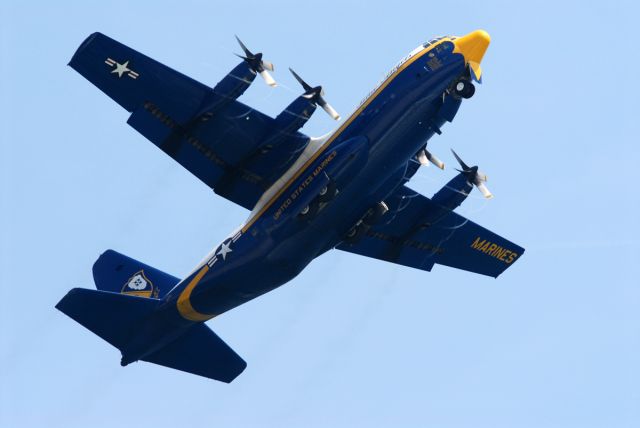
(295, 115)
(451, 195)
(288, 123)
(232, 86)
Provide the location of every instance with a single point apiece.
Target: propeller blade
(268, 79)
(247, 52)
(422, 158)
(434, 160)
(327, 107)
(316, 95)
(304, 84)
(474, 176)
(257, 64)
(464, 166)
(483, 189)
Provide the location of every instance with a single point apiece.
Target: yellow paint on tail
(184, 300)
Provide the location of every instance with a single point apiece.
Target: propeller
(257, 64)
(425, 158)
(474, 176)
(316, 95)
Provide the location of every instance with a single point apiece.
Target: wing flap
(171, 138)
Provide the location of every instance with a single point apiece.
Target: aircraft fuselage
(366, 156)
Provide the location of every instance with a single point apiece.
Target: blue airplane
(346, 190)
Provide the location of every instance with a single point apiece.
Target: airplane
(345, 190)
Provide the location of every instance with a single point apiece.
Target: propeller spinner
(316, 94)
(257, 64)
(474, 176)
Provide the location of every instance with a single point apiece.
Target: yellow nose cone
(473, 46)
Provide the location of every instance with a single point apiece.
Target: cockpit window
(432, 41)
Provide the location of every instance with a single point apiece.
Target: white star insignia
(121, 68)
(224, 250)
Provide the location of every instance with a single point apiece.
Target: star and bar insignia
(121, 69)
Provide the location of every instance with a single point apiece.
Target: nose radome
(473, 45)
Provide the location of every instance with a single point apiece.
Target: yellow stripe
(184, 300)
(340, 130)
(146, 293)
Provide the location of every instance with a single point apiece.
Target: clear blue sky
(554, 342)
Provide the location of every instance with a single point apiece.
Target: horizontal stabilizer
(118, 273)
(200, 351)
(111, 316)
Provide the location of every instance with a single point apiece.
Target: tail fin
(200, 351)
(109, 315)
(116, 317)
(118, 273)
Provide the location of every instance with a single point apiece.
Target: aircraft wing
(453, 240)
(168, 108)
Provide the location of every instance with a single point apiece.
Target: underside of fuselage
(397, 120)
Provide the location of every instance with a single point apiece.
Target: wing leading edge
(454, 241)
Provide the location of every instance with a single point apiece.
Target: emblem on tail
(140, 285)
